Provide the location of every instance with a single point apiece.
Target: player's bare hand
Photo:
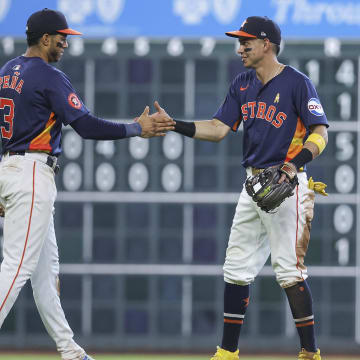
(163, 118)
(160, 112)
(154, 125)
(284, 177)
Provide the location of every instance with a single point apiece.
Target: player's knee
(236, 273)
(16, 271)
(237, 278)
(287, 280)
(237, 282)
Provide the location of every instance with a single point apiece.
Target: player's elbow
(219, 136)
(322, 131)
(84, 135)
(326, 137)
(221, 130)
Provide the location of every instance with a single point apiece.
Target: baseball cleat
(222, 354)
(306, 355)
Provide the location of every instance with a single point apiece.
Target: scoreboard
(142, 225)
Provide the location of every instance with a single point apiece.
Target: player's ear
(267, 44)
(45, 39)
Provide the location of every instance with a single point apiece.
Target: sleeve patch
(74, 101)
(315, 107)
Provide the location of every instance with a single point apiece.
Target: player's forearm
(313, 147)
(209, 130)
(92, 127)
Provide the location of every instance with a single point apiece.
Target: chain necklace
(277, 71)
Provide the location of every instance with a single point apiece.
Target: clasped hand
(156, 124)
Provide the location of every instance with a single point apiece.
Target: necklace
(277, 71)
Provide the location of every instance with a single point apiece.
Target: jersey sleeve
(308, 105)
(230, 110)
(64, 101)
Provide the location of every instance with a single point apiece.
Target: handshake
(156, 124)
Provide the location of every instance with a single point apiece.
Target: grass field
(20, 356)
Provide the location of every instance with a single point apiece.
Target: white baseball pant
(28, 190)
(256, 234)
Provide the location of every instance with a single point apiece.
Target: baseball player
(284, 124)
(36, 100)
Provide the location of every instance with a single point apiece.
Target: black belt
(49, 161)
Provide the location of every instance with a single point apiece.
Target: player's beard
(55, 53)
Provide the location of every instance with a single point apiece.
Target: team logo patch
(315, 107)
(16, 67)
(74, 101)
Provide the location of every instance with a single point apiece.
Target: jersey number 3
(7, 132)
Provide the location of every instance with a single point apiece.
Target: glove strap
(288, 170)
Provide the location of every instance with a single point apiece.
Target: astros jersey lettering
(43, 98)
(276, 117)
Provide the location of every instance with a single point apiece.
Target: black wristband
(303, 157)
(185, 128)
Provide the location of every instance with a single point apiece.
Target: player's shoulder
(295, 74)
(246, 76)
(34, 67)
(55, 72)
(44, 69)
(10, 64)
(55, 77)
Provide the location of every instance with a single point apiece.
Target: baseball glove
(265, 190)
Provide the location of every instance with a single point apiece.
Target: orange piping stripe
(42, 141)
(26, 240)
(233, 321)
(300, 132)
(305, 324)
(236, 125)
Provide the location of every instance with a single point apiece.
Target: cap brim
(240, 34)
(69, 32)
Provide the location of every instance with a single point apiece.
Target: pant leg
(28, 190)
(46, 289)
(289, 234)
(248, 247)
